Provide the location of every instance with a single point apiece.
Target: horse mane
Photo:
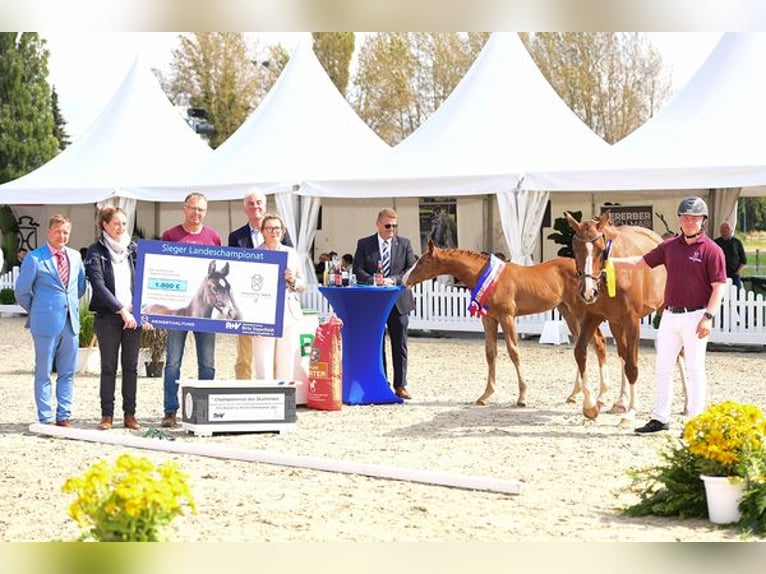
(456, 252)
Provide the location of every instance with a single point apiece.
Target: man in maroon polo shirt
(696, 280)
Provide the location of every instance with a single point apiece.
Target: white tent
(501, 120)
(709, 136)
(303, 129)
(139, 140)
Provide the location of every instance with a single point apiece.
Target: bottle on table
(379, 274)
(338, 277)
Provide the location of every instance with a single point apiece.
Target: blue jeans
(205, 344)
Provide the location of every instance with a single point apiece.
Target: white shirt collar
(256, 236)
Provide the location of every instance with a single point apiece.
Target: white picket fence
(438, 307)
(8, 281)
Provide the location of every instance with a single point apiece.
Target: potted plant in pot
(88, 358)
(153, 350)
(725, 445)
(728, 438)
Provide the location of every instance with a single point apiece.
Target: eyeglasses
(270, 229)
(197, 209)
(391, 225)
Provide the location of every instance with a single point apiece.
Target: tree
(59, 123)
(404, 77)
(218, 72)
(334, 51)
(613, 81)
(751, 213)
(27, 137)
(276, 60)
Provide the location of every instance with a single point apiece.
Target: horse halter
(587, 272)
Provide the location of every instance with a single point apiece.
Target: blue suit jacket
(402, 258)
(241, 237)
(39, 291)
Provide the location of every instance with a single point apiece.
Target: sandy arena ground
(571, 469)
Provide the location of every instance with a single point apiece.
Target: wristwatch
(708, 315)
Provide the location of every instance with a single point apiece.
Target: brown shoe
(105, 424)
(169, 421)
(65, 423)
(402, 393)
(130, 422)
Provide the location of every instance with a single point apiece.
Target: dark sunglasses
(391, 225)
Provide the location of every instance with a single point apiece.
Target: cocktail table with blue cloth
(363, 310)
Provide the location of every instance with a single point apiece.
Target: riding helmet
(692, 205)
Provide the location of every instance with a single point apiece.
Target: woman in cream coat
(274, 357)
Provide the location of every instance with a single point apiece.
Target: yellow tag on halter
(611, 281)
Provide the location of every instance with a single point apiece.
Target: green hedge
(7, 296)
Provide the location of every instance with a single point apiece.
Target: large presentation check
(190, 287)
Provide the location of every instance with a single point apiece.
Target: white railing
(438, 307)
(8, 281)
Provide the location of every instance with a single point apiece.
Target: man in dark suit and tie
(396, 257)
(250, 237)
(50, 284)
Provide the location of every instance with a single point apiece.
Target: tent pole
(488, 224)
(156, 219)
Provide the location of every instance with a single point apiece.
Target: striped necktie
(385, 259)
(62, 264)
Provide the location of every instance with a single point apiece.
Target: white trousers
(274, 357)
(676, 331)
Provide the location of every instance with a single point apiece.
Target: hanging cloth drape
(723, 207)
(301, 215)
(521, 214)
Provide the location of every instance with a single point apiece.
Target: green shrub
(563, 234)
(7, 296)
(87, 320)
(154, 340)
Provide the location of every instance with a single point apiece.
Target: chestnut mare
(520, 290)
(639, 292)
(214, 293)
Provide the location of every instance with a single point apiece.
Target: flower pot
(88, 361)
(154, 369)
(723, 494)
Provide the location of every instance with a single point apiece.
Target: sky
(87, 68)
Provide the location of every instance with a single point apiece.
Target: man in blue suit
(369, 252)
(50, 284)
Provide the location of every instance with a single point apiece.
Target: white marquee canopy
(500, 121)
(303, 129)
(138, 141)
(709, 135)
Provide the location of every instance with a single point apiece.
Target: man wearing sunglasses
(395, 256)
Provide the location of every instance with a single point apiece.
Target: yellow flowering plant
(129, 501)
(727, 439)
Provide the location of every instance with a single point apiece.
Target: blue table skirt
(364, 311)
